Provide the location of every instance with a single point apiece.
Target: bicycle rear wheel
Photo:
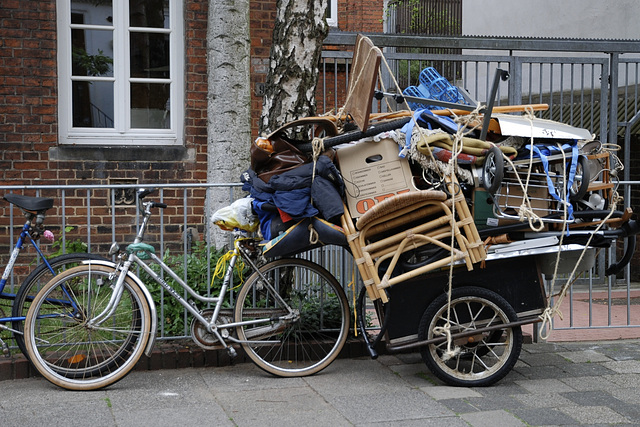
(312, 338)
(35, 281)
(64, 344)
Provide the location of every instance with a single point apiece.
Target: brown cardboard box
(372, 172)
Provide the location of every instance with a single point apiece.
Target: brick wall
(29, 133)
(30, 154)
(27, 89)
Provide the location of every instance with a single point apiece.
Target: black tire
(311, 340)
(478, 360)
(581, 180)
(493, 170)
(377, 128)
(35, 281)
(64, 345)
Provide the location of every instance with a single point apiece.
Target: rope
(549, 313)
(526, 211)
(313, 235)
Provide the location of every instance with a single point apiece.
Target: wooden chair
(406, 222)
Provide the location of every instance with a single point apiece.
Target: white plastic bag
(237, 215)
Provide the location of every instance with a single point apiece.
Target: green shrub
(200, 266)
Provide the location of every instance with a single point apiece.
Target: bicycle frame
(25, 235)
(139, 250)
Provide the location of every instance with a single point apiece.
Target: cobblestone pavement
(553, 384)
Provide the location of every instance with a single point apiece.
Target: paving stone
(543, 401)
(458, 406)
(586, 369)
(545, 386)
(584, 356)
(492, 419)
(447, 392)
(542, 359)
(624, 366)
(594, 415)
(592, 398)
(549, 416)
(588, 383)
(544, 347)
(505, 389)
(624, 380)
(540, 372)
(494, 403)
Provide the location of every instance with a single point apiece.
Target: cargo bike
(452, 264)
(450, 256)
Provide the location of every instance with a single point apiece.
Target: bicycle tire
(35, 281)
(308, 343)
(581, 180)
(69, 352)
(481, 359)
(493, 170)
(329, 142)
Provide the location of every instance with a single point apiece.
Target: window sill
(129, 153)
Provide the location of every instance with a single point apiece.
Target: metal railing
(592, 84)
(174, 230)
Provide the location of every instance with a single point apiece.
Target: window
(332, 13)
(120, 68)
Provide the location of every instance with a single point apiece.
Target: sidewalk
(588, 383)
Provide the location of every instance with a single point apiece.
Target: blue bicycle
(34, 209)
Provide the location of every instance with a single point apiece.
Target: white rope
(550, 312)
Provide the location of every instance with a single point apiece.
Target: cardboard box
(372, 172)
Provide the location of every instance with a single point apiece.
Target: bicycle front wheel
(65, 343)
(292, 344)
(35, 281)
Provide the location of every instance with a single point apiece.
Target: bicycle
(34, 209)
(290, 316)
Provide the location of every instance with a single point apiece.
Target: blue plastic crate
(438, 87)
(419, 92)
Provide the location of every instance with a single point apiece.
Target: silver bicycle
(290, 316)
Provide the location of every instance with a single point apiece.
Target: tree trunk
(298, 34)
(229, 102)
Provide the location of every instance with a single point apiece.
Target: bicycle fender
(147, 294)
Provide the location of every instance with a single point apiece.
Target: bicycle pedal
(232, 352)
(5, 349)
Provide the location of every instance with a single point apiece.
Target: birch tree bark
(298, 34)
(228, 103)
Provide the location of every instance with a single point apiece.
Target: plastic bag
(237, 215)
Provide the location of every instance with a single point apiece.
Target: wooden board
(364, 74)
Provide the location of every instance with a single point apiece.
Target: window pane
(150, 106)
(91, 12)
(150, 55)
(92, 53)
(149, 13)
(92, 104)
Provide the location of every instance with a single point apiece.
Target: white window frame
(122, 133)
(332, 20)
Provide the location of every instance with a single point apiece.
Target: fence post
(613, 96)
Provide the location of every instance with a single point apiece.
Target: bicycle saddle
(29, 203)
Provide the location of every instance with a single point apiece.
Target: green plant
(63, 246)
(95, 65)
(200, 264)
(312, 307)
